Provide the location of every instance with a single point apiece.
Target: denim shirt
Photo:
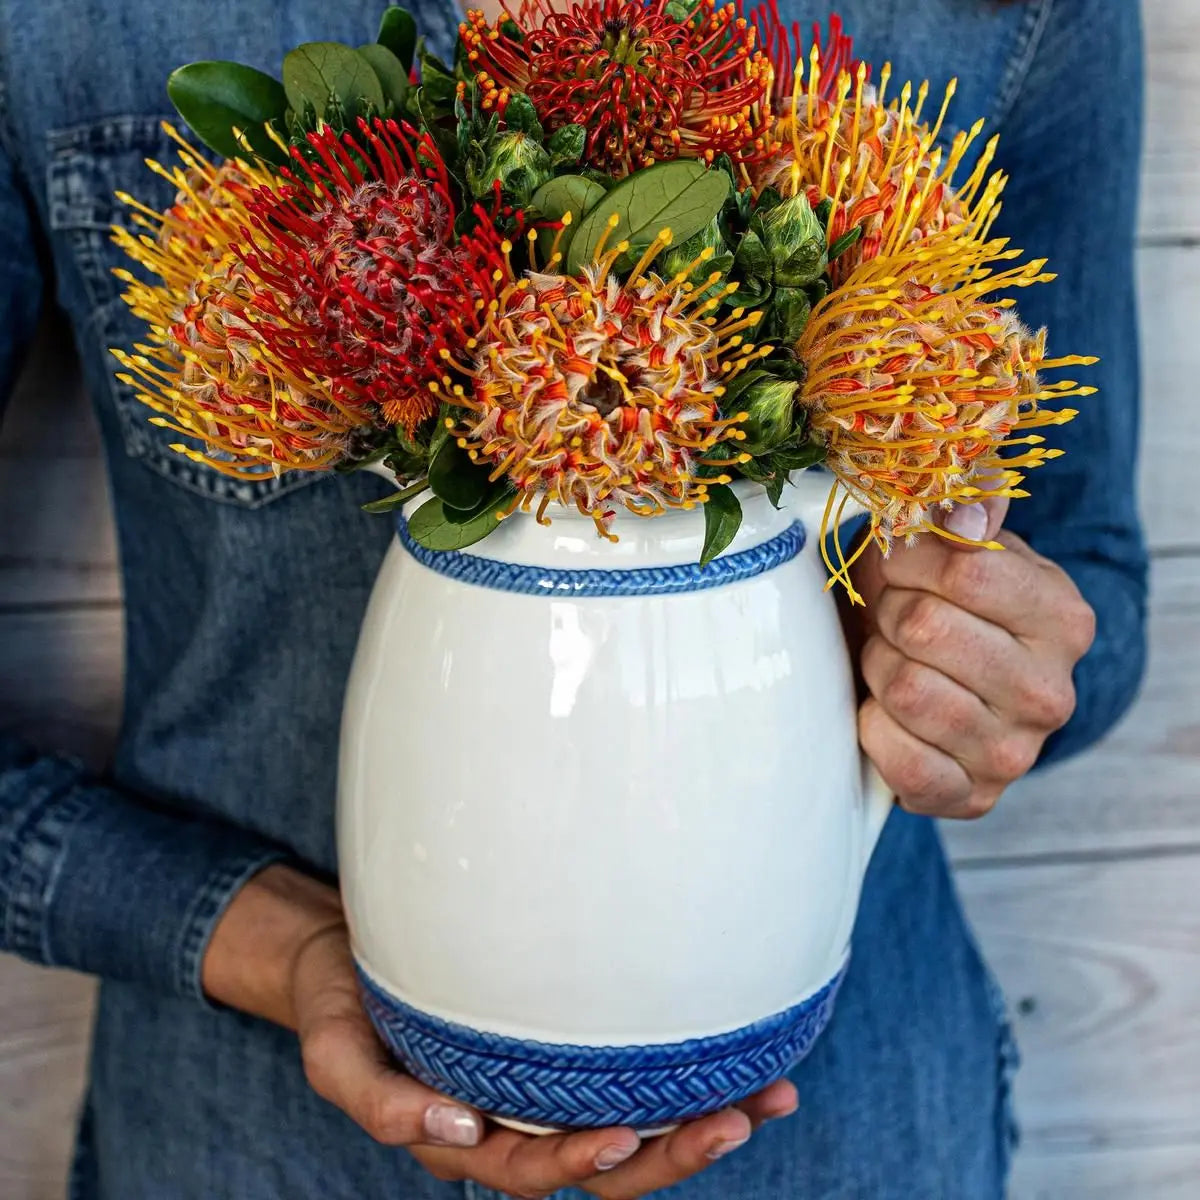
(243, 600)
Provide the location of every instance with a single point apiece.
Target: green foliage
(565, 146)
(771, 405)
(780, 262)
(682, 196)
(438, 81)
(431, 528)
(572, 194)
(393, 78)
(454, 478)
(396, 499)
(848, 239)
(215, 98)
(495, 495)
(398, 32)
(516, 160)
(521, 116)
(722, 520)
(678, 258)
(334, 80)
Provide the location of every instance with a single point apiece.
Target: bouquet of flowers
(621, 253)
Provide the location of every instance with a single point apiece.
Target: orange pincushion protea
(924, 389)
(204, 370)
(594, 393)
(839, 138)
(644, 84)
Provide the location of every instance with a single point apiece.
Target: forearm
(251, 957)
(93, 879)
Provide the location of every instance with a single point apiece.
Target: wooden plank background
(1081, 885)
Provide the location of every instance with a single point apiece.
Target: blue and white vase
(603, 818)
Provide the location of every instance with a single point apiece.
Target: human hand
(282, 951)
(967, 655)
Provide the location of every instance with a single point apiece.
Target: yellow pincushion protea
(597, 393)
(925, 389)
(874, 159)
(204, 369)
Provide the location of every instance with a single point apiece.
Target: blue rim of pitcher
(582, 1087)
(607, 581)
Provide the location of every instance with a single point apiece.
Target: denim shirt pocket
(86, 166)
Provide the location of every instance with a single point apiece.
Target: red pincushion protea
(784, 46)
(644, 84)
(364, 280)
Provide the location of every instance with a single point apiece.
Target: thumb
(978, 522)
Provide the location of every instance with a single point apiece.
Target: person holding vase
(231, 1055)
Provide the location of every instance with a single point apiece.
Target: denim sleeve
(20, 272)
(1072, 143)
(91, 878)
(97, 881)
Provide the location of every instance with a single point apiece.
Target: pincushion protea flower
(926, 390)
(839, 138)
(363, 281)
(593, 393)
(645, 84)
(204, 369)
(784, 46)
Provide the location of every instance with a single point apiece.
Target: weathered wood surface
(1101, 963)
(44, 1018)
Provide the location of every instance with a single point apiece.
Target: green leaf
(791, 308)
(431, 528)
(398, 32)
(568, 193)
(848, 239)
(799, 457)
(520, 114)
(214, 98)
(437, 80)
(428, 116)
(786, 364)
(682, 196)
(774, 487)
(502, 489)
(722, 519)
(455, 479)
(752, 256)
(768, 199)
(390, 72)
(566, 145)
(396, 499)
(327, 74)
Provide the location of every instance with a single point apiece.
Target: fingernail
(613, 1156)
(451, 1126)
(968, 521)
(720, 1149)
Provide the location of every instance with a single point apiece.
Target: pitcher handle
(878, 802)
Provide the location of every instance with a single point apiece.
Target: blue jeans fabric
(243, 602)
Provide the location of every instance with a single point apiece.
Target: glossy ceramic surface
(604, 818)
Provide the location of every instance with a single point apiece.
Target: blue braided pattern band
(614, 581)
(581, 1087)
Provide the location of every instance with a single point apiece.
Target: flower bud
(795, 242)
(518, 162)
(771, 404)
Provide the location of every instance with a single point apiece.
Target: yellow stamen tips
(920, 399)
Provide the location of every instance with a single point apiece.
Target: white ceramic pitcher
(603, 817)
